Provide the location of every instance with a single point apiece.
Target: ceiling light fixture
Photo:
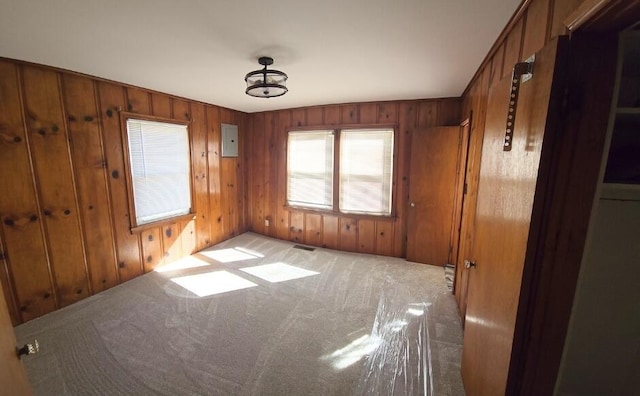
(266, 83)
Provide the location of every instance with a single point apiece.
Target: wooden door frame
(567, 181)
(461, 178)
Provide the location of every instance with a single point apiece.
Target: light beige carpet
(257, 316)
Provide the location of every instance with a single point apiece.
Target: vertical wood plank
(495, 67)
(427, 114)
(24, 247)
(188, 237)
(535, 34)
(171, 242)
(48, 141)
(387, 113)
(449, 113)
(315, 116)
(229, 183)
(384, 238)
(111, 97)
(332, 115)
(348, 236)
(180, 109)
(297, 226)
(512, 48)
(161, 105)
(258, 158)
(350, 114)
(282, 219)
(91, 180)
(241, 171)
(215, 188)
(313, 229)
(561, 10)
(152, 248)
(366, 236)
(368, 113)
(200, 172)
(407, 114)
(298, 117)
(138, 101)
(330, 232)
(271, 164)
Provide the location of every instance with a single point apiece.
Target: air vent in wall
(307, 248)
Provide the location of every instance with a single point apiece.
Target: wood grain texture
(138, 101)
(128, 249)
(66, 229)
(296, 227)
(50, 153)
(282, 214)
(535, 34)
(561, 10)
(435, 156)
(366, 236)
(330, 233)
(505, 200)
(313, 229)
(24, 247)
(348, 236)
(91, 180)
(200, 175)
(215, 187)
(513, 47)
(562, 210)
(266, 178)
(152, 252)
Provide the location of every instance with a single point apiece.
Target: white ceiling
(334, 51)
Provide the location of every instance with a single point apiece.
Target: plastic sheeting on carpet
(253, 316)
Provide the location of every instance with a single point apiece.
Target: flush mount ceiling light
(266, 83)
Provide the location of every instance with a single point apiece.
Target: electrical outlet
(266, 222)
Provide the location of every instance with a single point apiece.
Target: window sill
(163, 222)
(326, 212)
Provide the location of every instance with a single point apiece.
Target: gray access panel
(229, 140)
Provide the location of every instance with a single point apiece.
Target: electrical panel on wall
(229, 140)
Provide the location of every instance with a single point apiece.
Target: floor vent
(307, 248)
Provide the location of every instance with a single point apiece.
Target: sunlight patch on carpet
(231, 254)
(278, 272)
(184, 263)
(211, 283)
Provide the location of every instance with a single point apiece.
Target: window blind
(160, 169)
(310, 169)
(366, 171)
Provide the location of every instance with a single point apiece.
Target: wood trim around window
(336, 170)
(134, 226)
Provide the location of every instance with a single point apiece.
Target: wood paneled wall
(266, 163)
(533, 25)
(65, 229)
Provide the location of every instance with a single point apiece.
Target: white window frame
(178, 183)
(335, 207)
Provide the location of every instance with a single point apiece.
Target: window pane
(310, 169)
(160, 170)
(366, 170)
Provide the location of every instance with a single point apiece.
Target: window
(310, 169)
(362, 179)
(159, 168)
